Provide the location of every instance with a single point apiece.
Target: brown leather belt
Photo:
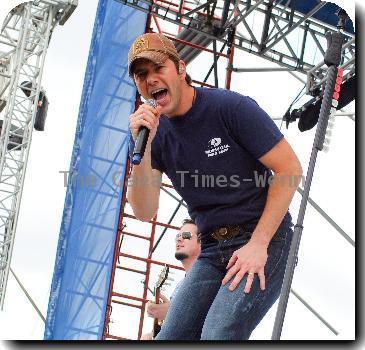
(225, 232)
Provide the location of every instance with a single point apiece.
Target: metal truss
(24, 39)
(127, 265)
(272, 40)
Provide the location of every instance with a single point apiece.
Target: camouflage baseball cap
(152, 46)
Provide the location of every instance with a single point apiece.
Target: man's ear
(182, 67)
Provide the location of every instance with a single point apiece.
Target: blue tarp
(326, 14)
(81, 279)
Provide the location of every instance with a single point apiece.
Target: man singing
(214, 145)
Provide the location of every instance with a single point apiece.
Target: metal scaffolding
(270, 41)
(24, 40)
(218, 28)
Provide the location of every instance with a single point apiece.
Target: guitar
(162, 278)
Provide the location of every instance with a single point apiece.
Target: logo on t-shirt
(215, 147)
(215, 142)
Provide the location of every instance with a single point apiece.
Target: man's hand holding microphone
(144, 184)
(143, 124)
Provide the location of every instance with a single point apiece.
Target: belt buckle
(221, 233)
(225, 232)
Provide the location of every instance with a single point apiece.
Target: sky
(324, 276)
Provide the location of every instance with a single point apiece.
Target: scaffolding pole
(328, 107)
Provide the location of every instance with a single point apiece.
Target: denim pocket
(281, 234)
(277, 253)
(229, 246)
(246, 235)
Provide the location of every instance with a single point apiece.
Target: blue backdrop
(85, 250)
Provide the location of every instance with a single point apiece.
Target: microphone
(142, 137)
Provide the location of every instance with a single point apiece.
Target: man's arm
(282, 160)
(144, 183)
(252, 257)
(144, 188)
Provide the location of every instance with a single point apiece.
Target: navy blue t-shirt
(211, 156)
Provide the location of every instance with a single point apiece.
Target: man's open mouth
(159, 94)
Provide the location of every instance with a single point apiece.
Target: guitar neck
(156, 326)
(157, 301)
(161, 280)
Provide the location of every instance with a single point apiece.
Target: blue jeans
(204, 309)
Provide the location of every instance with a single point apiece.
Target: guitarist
(187, 249)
